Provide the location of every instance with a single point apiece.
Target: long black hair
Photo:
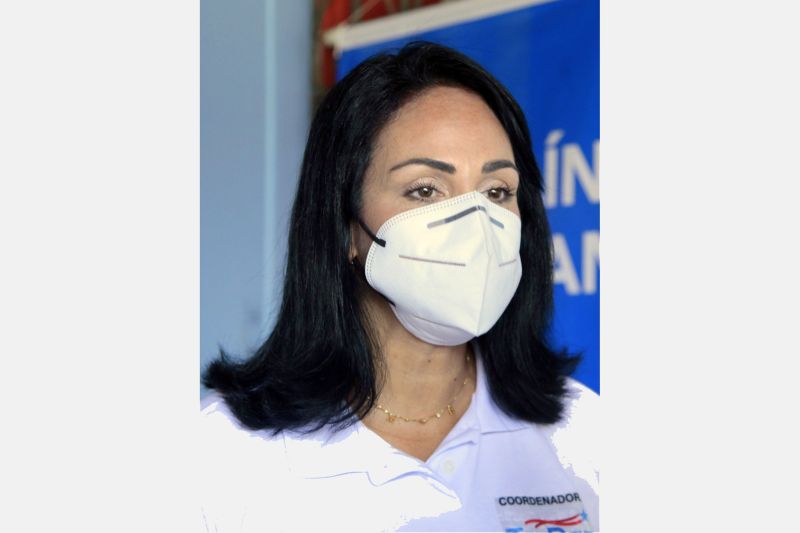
(320, 365)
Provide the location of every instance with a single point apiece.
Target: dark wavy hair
(321, 363)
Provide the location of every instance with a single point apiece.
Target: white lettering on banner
(573, 164)
(574, 167)
(590, 258)
(564, 271)
(551, 167)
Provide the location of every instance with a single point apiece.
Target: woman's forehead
(444, 120)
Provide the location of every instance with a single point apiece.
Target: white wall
(255, 95)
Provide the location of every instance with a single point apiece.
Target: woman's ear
(353, 251)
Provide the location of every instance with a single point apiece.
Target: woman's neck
(420, 378)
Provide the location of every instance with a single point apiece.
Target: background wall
(255, 99)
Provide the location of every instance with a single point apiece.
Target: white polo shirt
(491, 473)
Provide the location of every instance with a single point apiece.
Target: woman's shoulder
(233, 454)
(581, 407)
(216, 413)
(239, 464)
(217, 418)
(575, 437)
(579, 427)
(224, 437)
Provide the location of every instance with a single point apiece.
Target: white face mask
(449, 269)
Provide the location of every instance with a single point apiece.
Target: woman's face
(444, 143)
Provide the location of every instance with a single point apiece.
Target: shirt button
(448, 466)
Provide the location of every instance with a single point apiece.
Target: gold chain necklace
(391, 417)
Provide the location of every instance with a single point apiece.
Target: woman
(408, 384)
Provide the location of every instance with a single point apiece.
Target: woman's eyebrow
(489, 166)
(434, 163)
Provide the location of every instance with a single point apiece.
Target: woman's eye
(499, 194)
(422, 193)
(426, 192)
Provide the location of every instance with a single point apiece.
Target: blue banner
(548, 56)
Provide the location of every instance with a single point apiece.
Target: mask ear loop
(357, 264)
(379, 242)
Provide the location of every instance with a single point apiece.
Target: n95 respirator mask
(448, 269)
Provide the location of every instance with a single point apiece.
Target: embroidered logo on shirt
(557, 513)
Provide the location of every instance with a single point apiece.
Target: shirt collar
(358, 449)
